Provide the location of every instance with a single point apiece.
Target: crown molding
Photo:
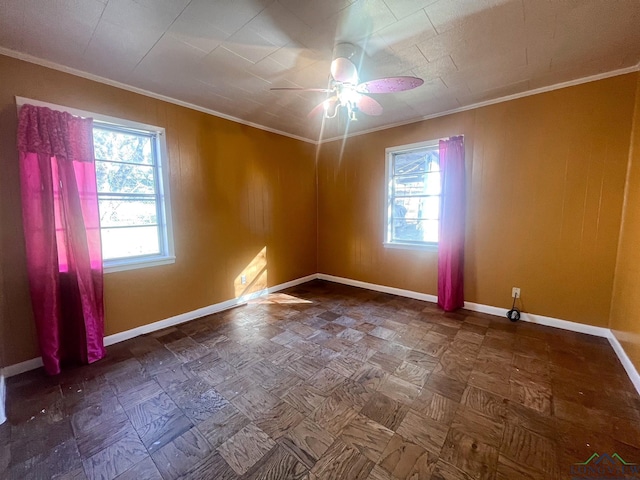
(96, 78)
(113, 83)
(528, 93)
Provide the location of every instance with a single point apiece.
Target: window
(131, 197)
(133, 190)
(413, 195)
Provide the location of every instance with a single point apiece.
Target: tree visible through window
(413, 209)
(129, 193)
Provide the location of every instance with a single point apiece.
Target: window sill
(133, 264)
(432, 247)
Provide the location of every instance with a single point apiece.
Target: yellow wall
(625, 308)
(235, 190)
(545, 179)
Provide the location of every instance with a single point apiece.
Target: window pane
(416, 161)
(122, 147)
(433, 161)
(129, 242)
(419, 184)
(120, 212)
(416, 231)
(417, 208)
(121, 178)
(409, 162)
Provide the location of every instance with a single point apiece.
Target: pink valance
(49, 132)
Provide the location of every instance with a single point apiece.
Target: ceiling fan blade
(390, 84)
(368, 105)
(327, 104)
(344, 71)
(300, 89)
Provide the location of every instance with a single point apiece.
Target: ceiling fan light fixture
(348, 98)
(346, 90)
(348, 95)
(330, 107)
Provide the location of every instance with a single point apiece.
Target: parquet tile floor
(324, 381)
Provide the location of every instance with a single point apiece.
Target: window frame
(163, 196)
(389, 197)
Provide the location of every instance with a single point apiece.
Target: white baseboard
(475, 307)
(628, 365)
(34, 363)
(3, 397)
(18, 368)
(379, 288)
(201, 312)
(632, 372)
(541, 320)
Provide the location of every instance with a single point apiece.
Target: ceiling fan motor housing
(348, 51)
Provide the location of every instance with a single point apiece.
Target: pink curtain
(62, 235)
(452, 212)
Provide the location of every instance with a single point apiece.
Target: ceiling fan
(348, 93)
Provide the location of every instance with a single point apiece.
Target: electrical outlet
(515, 292)
(243, 279)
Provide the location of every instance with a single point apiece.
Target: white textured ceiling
(224, 55)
